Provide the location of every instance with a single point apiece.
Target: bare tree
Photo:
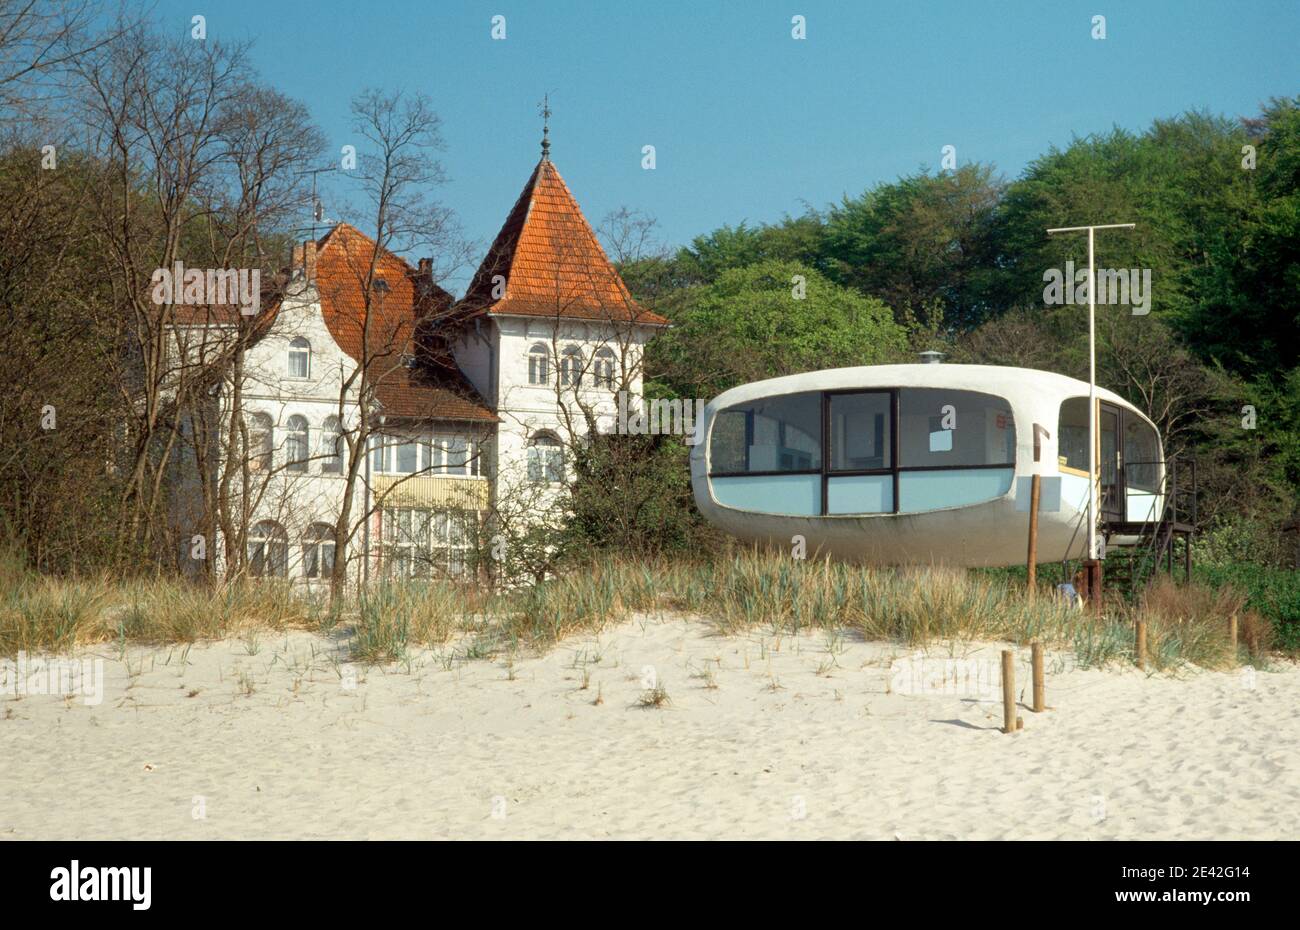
(199, 163)
(396, 176)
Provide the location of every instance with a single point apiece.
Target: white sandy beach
(269, 741)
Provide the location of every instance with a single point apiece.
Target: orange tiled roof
(551, 261)
(434, 387)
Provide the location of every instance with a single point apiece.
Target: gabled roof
(551, 262)
(428, 387)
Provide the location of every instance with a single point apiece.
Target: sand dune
(796, 737)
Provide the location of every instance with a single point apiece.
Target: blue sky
(748, 123)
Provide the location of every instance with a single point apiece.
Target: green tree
(921, 243)
(752, 323)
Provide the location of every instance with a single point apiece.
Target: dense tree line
(955, 260)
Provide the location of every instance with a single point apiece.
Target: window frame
(545, 448)
(572, 366)
(295, 348)
(297, 445)
(315, 540)
(260, 427)
(434, 453)
(540, 356)
(604, 361)
(333, 447)
(826, 471)
(273, 541)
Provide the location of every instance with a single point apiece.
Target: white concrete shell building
(927, 463)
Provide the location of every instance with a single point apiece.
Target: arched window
(260, 442)
(268, 550)
(296, 454)
(332, 447)
(299, 358)
(539, 364)
(571, 366)
(605, 367)
(545, 459)
(318, 551)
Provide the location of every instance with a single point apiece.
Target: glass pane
(457, 453)
(935, 490)
(797, 495)
(1141, 455)
(771, 434)
(554, 465)
(860, 437)
(1072, 433)
(1108, 424)
(406, 457)
(940, 426)
(860, 494)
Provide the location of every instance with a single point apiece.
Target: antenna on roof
(317, 207)
(545, 109)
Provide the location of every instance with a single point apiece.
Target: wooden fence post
(1141, 634)
(1008, 692)
(1040, 704)
(1032, 557)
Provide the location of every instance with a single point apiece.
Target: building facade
(429, 417)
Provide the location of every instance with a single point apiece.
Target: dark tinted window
(770, 434)
(860, 437)
(940, 427)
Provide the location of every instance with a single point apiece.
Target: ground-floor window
(422, 543)
(318, 551)
(268, 550)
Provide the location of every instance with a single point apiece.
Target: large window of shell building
(883, 450)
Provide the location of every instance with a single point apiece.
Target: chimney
(931, 357)
(304, 259)
(426, 269)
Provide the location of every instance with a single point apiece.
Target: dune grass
(737, 591)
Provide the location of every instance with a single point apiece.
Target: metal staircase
(1142, 545)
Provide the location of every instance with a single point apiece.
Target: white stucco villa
(474, 399)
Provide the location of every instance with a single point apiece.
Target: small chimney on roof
(304, 259)
(931, 357)
(426, 269)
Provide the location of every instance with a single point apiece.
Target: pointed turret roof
(551, 262)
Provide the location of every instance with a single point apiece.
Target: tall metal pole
(1092, 395)
(1092, 372)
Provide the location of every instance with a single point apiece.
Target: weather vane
(545, 109)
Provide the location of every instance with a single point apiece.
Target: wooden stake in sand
(1232, 633)
(1008, 692)
(1141, 634)
(1040, 704)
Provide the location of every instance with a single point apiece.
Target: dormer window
(299, 358)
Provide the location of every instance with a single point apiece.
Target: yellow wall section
(433, 491)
